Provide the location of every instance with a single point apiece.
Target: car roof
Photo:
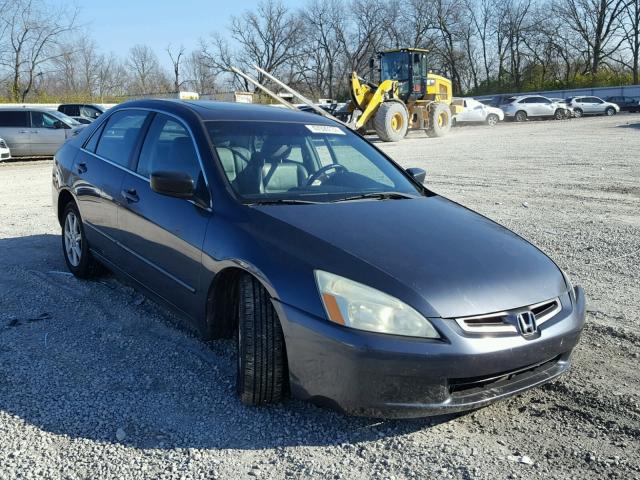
(210, 110)
(28, 109)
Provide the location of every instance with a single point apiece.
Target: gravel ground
(96, 381)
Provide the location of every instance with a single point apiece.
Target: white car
(5, 153)
(592, 106)
(474, 112)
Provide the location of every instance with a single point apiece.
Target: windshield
(267, 161)
(64, 118)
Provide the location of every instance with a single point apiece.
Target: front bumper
(377, 375)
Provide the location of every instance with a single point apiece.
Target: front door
(47, 133)
(162, 236)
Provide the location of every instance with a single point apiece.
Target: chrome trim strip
(508, 327)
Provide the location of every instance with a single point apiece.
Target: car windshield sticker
(325, 129)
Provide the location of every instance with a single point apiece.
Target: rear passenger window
(14, 118)
(168, 147)
(119, 136)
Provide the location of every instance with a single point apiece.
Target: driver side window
(42, 120)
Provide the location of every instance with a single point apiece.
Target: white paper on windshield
(328, 129)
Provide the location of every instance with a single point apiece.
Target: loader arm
(375, 100)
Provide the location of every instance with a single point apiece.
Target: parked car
(5, 152)
(529, 106)
(85, 110)
(569, 113)
(35, 131)
(592, 106)
(281, 229)
(475, 112)
(626, 104)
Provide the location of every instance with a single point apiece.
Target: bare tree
(32, 33)
(200, 76)
(146, 76)
(268, 37)
(631, 28)
(597, 22)
(176, 57)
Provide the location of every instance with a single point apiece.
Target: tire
(74, 244)
(391, 121)
(439, 120)
(521, 116)
(578, 113)
(610, 112)
(492, 119)
(559, 114)
(261, 367)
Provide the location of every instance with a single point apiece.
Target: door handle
(130, 195)
(82, 167)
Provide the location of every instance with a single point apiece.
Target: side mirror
(418, 174)
(172, 184)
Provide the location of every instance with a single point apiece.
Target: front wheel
(492, 119)
(391, 121)
(261, 367)
(74, 243)
(559, 114)
(610, 112)
(521, 116)
(578, 113)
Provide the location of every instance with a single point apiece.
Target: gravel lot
(96, 381)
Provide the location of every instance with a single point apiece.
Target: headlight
(357, 306)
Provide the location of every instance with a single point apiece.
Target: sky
(117, 25)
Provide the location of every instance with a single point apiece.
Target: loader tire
(391, 121)
(439, 120)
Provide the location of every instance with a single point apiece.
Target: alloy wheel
(73, 239)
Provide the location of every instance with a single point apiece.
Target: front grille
(504, 322)
(466, 386)
(4, 156)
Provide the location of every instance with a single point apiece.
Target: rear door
(46, 133)
(15, 129)
(162, 236)
(99, 170)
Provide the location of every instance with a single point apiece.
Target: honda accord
(342, 279)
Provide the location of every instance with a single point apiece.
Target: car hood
(458, 261)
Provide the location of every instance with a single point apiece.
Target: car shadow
(630, 125)
(95, 359)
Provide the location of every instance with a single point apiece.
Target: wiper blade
(283, 201)
(377, 196)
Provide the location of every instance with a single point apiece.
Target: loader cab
(408, 66)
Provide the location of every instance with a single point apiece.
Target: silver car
(523, 107)
(35, 131)
(592, 106)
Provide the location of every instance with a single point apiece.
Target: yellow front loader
(407, 98)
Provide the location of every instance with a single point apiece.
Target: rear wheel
(439, 120)
(559, 114)
(74, 243)
(391, 121)
(492, 119)
(578, 113)
(261, 376)
(610, 112)
(521, 116)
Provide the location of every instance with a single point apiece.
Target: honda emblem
(527, 323)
